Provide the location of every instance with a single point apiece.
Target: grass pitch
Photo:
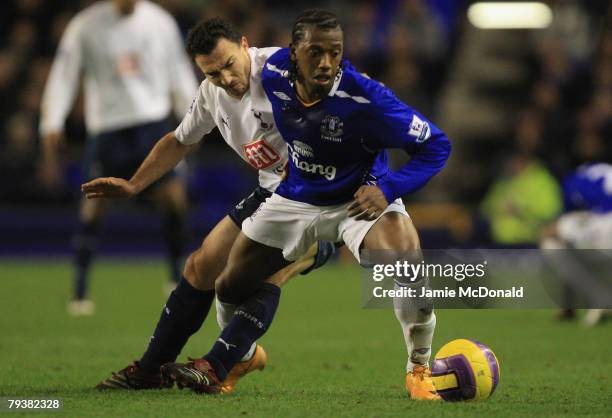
(327, 356)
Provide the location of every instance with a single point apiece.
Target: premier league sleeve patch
(419, 129)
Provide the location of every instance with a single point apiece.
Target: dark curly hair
(319, 18)
(203, 37)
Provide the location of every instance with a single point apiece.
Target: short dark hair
(204, 36)
(319, 18)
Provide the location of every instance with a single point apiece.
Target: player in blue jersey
(585, 224)
(589, 188)
(337, 125)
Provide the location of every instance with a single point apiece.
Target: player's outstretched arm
(164, 156)
(108, 187)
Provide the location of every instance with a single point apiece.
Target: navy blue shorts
(248, 205)
(119, 153)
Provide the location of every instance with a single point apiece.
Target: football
(465, 370)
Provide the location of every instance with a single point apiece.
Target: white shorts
(294, 226)
(586, 230)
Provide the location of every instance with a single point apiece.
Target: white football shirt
(246, 124)
(134, 69)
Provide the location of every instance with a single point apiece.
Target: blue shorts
(119, 153)
(248, 205)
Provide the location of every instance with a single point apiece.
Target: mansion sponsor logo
(260, 154)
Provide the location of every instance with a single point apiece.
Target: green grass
(327, 356)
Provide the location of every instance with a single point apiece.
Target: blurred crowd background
(522, 108)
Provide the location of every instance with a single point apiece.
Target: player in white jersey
(130, 56)
(230, 98)
(246, 125)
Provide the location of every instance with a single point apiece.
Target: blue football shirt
(589, 188)
(338, 144)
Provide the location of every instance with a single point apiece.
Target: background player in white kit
(131, 58)
(232, 99)
(585, 224)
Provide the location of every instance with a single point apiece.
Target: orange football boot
(420, 386)
(257, 362)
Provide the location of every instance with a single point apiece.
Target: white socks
(225, 313)
(418, 326)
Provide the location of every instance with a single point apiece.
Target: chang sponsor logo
(299, 150)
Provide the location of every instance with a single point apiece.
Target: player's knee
(406, 242)
(192, 274)
(229, 291)
(393, 231)
(177, 200)
(223, 291)
(409, 237)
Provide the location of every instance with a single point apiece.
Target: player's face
(318, 58)
(228, 66)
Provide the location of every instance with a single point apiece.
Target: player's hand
(108, 187)
(369, 203)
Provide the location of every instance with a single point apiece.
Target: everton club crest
(331, 128)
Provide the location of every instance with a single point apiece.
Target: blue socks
(250, 321)
(183, 315)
